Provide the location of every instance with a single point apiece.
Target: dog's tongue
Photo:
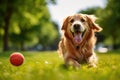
(77, 38)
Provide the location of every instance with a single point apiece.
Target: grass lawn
(48, 66)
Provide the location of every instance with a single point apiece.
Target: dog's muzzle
(77, 30)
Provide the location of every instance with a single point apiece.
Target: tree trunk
(7, 18)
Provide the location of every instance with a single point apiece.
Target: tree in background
(110, 21)
(25, 22)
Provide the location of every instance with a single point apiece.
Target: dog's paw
(74, 64)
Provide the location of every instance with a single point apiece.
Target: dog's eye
(82, 20)
(72, 20)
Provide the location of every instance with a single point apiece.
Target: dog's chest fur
(82, 52)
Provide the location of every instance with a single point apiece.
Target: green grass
(48, 66)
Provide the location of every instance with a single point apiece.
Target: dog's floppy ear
(65, 23)
(91, 21)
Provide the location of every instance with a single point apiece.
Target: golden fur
(76, 46)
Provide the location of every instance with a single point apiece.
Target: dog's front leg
(72, 56)
(71, 49)
(92, 61)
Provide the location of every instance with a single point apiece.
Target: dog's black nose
(76, 26)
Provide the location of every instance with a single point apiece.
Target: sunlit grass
(48, 66)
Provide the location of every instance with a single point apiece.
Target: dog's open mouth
(78, 36)
(78, 33)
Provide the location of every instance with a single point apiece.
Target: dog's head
(77, 25)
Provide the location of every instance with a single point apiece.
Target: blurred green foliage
(110, 17)
(26, 23)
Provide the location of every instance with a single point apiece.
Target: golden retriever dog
(78, 40)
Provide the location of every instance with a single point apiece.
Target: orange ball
(16, 59)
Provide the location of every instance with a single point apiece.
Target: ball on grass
(16, 59)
